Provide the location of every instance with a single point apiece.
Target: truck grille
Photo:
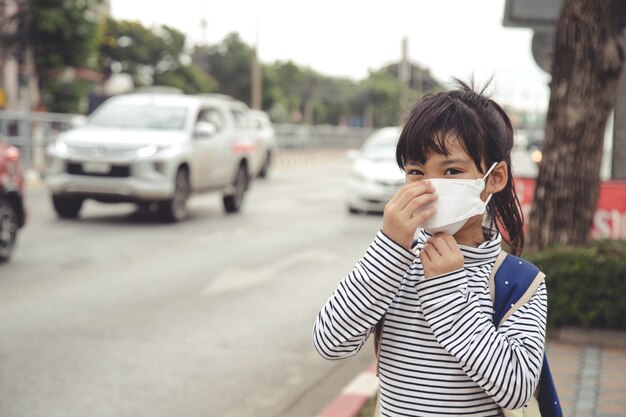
(117, 171)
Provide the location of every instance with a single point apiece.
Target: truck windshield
(139, 117)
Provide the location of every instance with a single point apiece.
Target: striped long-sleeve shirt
(441, 354)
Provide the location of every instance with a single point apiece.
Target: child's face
(456, 165)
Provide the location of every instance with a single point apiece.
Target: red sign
(610, 218)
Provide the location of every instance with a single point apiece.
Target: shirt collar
(486, 251)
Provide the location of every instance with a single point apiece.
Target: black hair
(483, 130)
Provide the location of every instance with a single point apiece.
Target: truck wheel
(175, 209)
(8, 230)
(67, 207)
(232, 202)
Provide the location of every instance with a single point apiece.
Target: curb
(354, 396)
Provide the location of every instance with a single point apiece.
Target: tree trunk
(618, 165)
(587, 61)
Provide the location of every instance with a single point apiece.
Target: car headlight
(147, 151)
(536, 156)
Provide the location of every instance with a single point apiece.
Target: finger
(440, 244)
(411, 191)
(433, 251)
(451, 242)
(419, 202)
(419, 218)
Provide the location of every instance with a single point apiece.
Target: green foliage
(586, 285)
(189, 78)
(65, 97)
(300, 95)
(60, 34)
(230, 64)
(151, 56)
(64, 33)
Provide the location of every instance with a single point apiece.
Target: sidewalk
(589, 369)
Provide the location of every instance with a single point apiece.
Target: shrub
(586, 285)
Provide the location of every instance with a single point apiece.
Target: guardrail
(33, 131)
(306, 136)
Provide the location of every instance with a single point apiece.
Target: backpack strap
(512, 282)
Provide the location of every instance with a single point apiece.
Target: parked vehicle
(12, 209)
(375, 174)
(153, 148)
(266, 141)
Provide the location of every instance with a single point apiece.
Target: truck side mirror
(205, 129)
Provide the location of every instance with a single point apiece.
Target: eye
(452, 171)
(414, 172)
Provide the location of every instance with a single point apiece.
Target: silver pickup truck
(154, 149)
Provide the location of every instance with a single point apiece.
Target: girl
(439, 352)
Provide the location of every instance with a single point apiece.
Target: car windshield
(139, 117)
(381, 148)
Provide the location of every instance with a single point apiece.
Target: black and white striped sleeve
(505, 362)
(361, 299)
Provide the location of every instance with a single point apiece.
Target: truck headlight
(61, 148)
(147, 151)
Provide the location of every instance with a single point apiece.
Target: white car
(266, 141)
(151, 148)
(375, 174)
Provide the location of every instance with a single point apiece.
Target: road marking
(239, 278)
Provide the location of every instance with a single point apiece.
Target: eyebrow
(454, 161)
(444, 162)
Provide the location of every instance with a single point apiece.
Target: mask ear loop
(486, 175)
(490, 169)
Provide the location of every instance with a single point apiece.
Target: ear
(497, 179)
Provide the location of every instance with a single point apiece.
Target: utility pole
(255, 69)
(403, 75)
(256, 81)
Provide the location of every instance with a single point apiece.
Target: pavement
(588, 367)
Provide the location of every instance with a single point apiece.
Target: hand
(400, 220)
(441, 255)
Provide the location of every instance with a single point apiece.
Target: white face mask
(457, 201)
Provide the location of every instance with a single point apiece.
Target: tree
(65, 33)
(57, 34)
(151, 56)
(380, 99)
(587, 62)
(419, 78)
(229, 63)
(188, 78)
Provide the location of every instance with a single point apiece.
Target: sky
(346, 38)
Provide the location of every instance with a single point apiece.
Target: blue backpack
(514, 282)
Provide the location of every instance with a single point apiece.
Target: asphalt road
(119, 315)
